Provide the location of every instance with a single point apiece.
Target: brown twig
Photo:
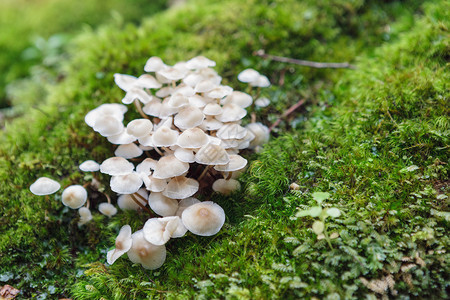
(306, 63)
(286, 113)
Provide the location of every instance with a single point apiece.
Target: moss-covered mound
(375, 138)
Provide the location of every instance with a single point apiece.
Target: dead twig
(286, 113)
(306, 63)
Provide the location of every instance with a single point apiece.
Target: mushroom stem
(107, 198)
(229, 176)
(253, 117)
(139, 109)
(140, 204)
(159, 151)
(88, 203)
(204, 172)
(86, 184)
(173, 84)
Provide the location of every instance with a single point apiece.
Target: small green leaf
(320, 196)
(315, 211)
(318, 227)
(333, 212)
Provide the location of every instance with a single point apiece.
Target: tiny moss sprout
(319, 226)
(187, 140)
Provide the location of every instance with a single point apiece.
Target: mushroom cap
(236, 162)
(136, 93)
(192, 138)
(128, 151)
(148, 255)
(154, 184)
(123, 244)
(239, 98)
(204, 218)
(154, 64)
(107, 209)
(226, 187)
(211, 123)
(262, 102)
(220, 91)
(184, 155)
(74, 196)
(85, 215)
(146, 166)
(139, 127)
(204, 86)
(147, 81)
(109, 109)
(153, 108)
(126, 202)
(232, 131)
(184, 90)
(248, 75)
(261, 133)
(44, 186)
(169, 166)
(124, 81)
(231, 113)
(185, 203)
(178, 100)
(261, 81)
(162, 205)
(108, 125)
(126, 184)
(181, 187)
(89, 166)
(198, 101)
(158, 231)
(211, 154)
(121, 138)
(212, 109)
(189, 117)
(171, 73)
(200, 62)
(164, 137)
(116, 166)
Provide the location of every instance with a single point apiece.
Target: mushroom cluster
(186, 141)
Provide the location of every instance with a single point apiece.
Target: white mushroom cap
(125, 82)
(198, 101)
(107, 209)
(108, 125)
(123, 244)
(148, 255)
(136, 93)
(154, 64)
(212, 109)
(200, 62)
(192, 79)
(178, 100)
(232, 131)
(44, 186)
(162, 205)
(153, 108)
(184, 90)
(262, 102)
(248, 75)
(164, 137)
(210, 74)
(231, 113)
(126, 184)
(121, 138)
(261, 132)
(128, 151)
(192, 138)
(181, 187)
(164, 92)
(220, 91)
(226, 187)
(185, 203)
(85, 215)
(116, 166)
(154, 184)
(189, 117)
(146, 166)
(148, 82)
(236, 162)
(158, 231)
(239, 98)
(211, 123)
(109, 109)
(126, 202)
(171, 73)
(74, 196)
(169, 166)
(204, 86)
(89, 166)
(204, 218)
(184, 155)
(261, 81)
(212, 155)
(139, 127)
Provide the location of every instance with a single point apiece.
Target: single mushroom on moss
(123, 244)
(44, 186)
(142, 252)
(204, 218)
(74, 196)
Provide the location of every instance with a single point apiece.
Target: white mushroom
(158, 231)
(116, 166)
(204, 218)
(126, 184)
(236, 163)
(44, 186)
(211, 154)
(162, 205)
(169, 166)
(128, 151)
(74, 196)
(89, 166)
(181, 187)
(85, 215)
(189, 117)
(248, 75)
(150, 256)
(139, 127)
(226, 187)
(261, 133)
(185, 203)
(192, 138)
(126, 202)
(123, 244)
(200, 62)
(154, 64)
(107, 209)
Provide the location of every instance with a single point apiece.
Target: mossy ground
(357, 137)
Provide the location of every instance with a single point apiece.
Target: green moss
(359, 132)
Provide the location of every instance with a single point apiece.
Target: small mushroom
(44, 186)
(128, 151)
(115, 166)
(158, 231)
(181, 187)
(248, 75)
(126, 202)
(74, 196)
(226, 187)
(162, 205)
(204, 218)
(126, 184)
(169, 166)
(107, 209)
(142, 252)
(85, 215)
(139, 127)
(89, 166)
(123, 244)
